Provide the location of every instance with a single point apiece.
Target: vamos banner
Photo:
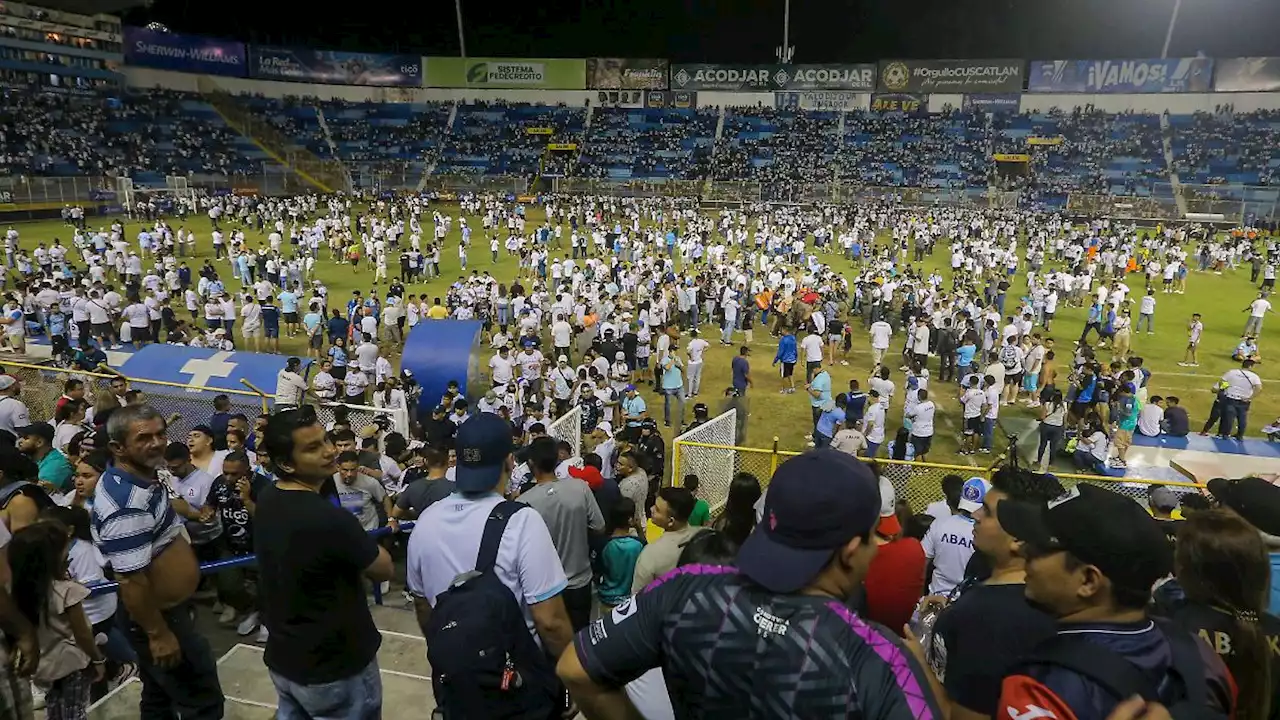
(1170, 75)
(184, 53)
(627, 74)
(1251, 74)
(773, 78)
(951, 76)
(334, 67)
(507, 73)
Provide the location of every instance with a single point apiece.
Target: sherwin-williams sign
(185, 53)
(510, 73)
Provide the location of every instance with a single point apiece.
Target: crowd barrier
(185, 406)
(918, 483)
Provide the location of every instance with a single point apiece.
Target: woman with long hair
(88, 470)
(1221, 565)
(70, 661)
(68, 421)
(739, 516)
(1053, 415)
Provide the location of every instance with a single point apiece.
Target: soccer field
(1219, 298)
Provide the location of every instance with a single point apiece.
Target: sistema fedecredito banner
(1156, 75)
(184, 53)
(334, 67)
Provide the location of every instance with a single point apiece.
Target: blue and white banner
(185, 53)
(1171, 75)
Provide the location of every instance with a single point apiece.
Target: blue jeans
(988, 432)
(872, 449)
(668, 394)
(358, 697)
(1235, 416)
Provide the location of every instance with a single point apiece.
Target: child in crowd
(616, 560)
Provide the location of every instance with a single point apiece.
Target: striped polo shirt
(132, 519)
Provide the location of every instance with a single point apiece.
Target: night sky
(744, 30)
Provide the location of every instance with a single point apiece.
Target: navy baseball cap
(817, 502)
(483, 444)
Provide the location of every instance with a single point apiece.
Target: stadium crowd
(1008, 593)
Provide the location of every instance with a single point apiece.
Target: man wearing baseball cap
(949, 542)
(445, 543)
(1092, 558)
(713, 629)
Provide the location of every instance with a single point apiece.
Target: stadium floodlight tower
(785, 51)
(1168, 35)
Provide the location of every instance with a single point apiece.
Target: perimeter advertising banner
(1169, 75)
(627, 74)
(184, 53)
(670, 98)
(507, 73)
(834, 100)
(909, 103)
(1251, 74)
(772, 78)
(993, 103)
(951, 76)
(334, 67)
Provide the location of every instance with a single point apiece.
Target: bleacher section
(650, 143)
(1223, 161)
(495, 138)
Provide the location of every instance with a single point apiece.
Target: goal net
(568, 427)
(709, 452)
(125, 193)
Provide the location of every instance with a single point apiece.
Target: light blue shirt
(288, 302)
(822, 383)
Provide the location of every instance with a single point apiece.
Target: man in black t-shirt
(313, 557)
(772, 633)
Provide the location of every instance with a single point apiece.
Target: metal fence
(458, 184)
(918, 483)
(628, 188)
(568, 427)
(708, 452)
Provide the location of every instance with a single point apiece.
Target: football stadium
(393, 380)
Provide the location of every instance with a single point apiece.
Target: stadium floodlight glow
(1168, 35)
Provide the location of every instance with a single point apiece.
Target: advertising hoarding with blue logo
(335, 67)
(1169, 75)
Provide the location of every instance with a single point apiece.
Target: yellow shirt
(437, 312)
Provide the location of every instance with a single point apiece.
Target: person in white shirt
(812, 346)
(972, 401)
(1257, 310)
(697, 347)
(562, 336)
(290, 387)
(1241, 385)
(1147, 312)
(873, 423)
(1151, 416)
(922, 425)
(881, 331)
(501, 367)
(949, 543)
(325, 387)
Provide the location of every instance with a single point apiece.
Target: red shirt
(895, 582)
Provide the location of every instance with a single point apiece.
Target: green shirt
(701, 513)
(55, 469)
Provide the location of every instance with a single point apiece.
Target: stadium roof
(91, 7)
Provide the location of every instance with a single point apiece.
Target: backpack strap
(1188, 664)
(1120, 677)
(494, 528)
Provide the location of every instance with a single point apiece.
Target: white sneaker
(262, 634)
(248, 624)
(227, 616)
(386, 587)
(37, 698)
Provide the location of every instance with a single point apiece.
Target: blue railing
(218, 566)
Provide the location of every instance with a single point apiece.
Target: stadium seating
(770, 145)
(946, 150)
(510, 138)
(648, 143)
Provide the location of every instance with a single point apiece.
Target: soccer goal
(568, 427)
(125, 193)
(709, 451)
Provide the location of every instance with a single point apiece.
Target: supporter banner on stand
(834, 100)
(1251, 74)
(772, 78)
(670, 98)
(507, 73)
(951, 76)
(993, 103)
(184, 53)
(627, 74)
(909, 103)
(1170, 75)
(334, 67)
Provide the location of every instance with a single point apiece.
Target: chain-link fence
(918, 483)
(708, 451)
(568, 427)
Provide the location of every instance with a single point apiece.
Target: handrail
(112, 374)
(217, 566)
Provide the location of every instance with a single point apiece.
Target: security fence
(629, 187)
(568, 427)
(481, 184)
(708, 451)
(918, 483)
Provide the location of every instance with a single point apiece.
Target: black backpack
(1122, 679)
(484, 661)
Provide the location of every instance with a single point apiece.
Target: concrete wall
(1175, 103)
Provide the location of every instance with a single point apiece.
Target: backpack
(484, 661)
(1122, 679)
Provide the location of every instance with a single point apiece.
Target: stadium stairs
(324, 175)
(1175, 182)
